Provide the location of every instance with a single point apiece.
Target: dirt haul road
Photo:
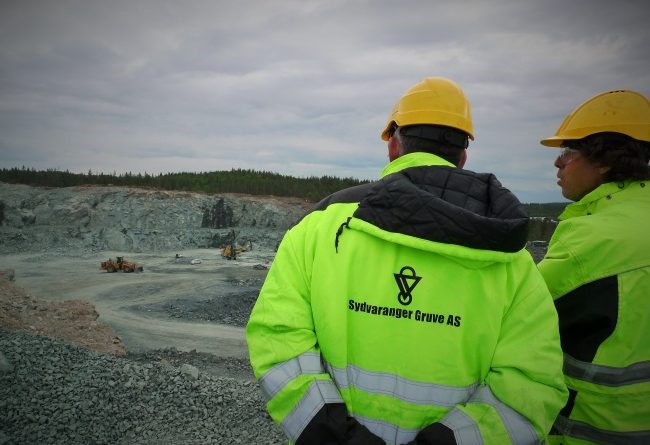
(172, 303)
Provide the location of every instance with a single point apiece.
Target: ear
(394, 148)
(463, 159)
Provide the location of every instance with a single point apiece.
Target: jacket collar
(585, 205)
(424, 197)
(416, 159)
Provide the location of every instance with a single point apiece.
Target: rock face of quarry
(97, 218)
(100, 218)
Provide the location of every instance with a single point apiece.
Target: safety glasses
(567, 155)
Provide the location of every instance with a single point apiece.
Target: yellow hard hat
(433, 101)
(619, 111)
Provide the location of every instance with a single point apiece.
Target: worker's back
(411, 328)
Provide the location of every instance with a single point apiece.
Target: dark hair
(446, 142)
(626, 157)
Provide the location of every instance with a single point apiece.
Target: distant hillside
(234, 181)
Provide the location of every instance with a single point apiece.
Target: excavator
(120, 264)
(230, 250)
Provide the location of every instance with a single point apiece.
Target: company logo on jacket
(407, 279)
(406, 284)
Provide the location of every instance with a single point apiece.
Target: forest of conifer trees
(234, 181)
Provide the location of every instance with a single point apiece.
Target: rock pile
(58, 393)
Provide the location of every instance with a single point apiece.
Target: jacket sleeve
(284, 354)
(561, 269)
(524, 389)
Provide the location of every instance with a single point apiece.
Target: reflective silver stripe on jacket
(319, 393)
(465, 429)
(607, 375)
(410, 391)
(277, 377)
(581, 430)
(520, 430)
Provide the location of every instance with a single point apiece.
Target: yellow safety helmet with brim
(619, 111)
(433, 101)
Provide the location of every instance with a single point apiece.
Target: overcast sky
(300, 87)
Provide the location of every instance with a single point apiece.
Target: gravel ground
(231, 305)
(55, 392)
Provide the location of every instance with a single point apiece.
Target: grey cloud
(299, 87)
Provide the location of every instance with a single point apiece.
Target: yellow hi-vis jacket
(598, 270)
(407, 307)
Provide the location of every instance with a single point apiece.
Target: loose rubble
(65, 379)
(56, 392)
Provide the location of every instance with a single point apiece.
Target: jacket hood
(441, 204)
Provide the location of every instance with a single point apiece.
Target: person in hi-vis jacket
(407, 310)
(598, 270)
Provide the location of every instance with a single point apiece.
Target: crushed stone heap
(54, 392)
